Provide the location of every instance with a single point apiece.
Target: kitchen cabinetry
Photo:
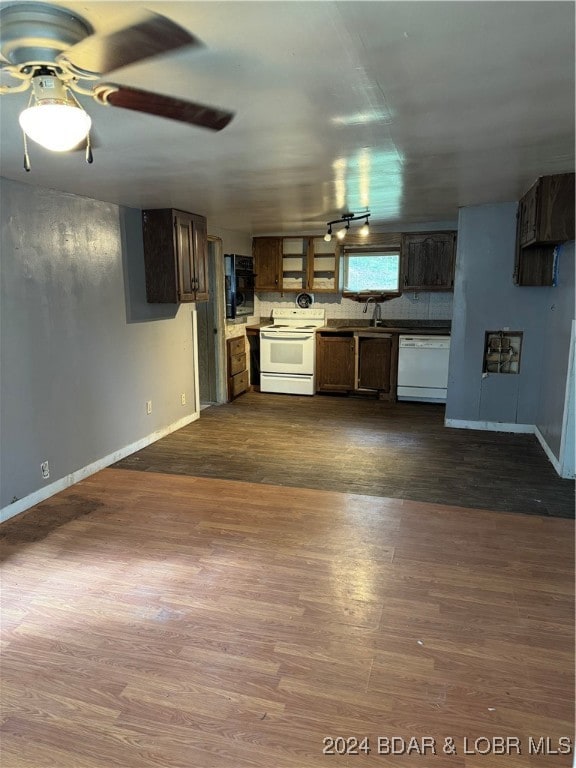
(175, 253)
(376, 357)
(335, 362)
(349, 361)
(294, 264)
(323, 265)
(267, 252)
(428, 260)
(545, 218)
(237, 370)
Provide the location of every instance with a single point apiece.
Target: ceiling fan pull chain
(89, 155)
(27, 165)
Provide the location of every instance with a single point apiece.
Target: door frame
(566, 457)
(216, 265)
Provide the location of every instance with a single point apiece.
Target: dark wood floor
(363, 446)
(163, 621)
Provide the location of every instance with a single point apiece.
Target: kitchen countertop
(363, 329)
(353, 326)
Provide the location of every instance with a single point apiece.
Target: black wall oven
(239, 275)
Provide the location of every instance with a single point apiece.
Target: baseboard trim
(548, 451)
(490, 426)
(74, 477)
(527, 429)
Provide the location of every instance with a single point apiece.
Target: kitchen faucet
(377, 314)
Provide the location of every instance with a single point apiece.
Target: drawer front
(238, 384)
(236, 346)
(237, 363)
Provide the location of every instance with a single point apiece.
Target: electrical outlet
(148, 407)
(45, 469)
(183, 398)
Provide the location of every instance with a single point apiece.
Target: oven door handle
(286, 335)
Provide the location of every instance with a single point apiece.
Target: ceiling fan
(55, 52)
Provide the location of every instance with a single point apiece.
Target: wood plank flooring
(362, 446)
(162, 621)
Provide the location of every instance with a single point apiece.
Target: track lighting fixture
(346, 219)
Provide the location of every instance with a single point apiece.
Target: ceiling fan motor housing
(35, 33)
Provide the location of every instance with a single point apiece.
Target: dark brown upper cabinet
(545, 218)
(175, 256)
(267, 252)
(428, 260)
(296, 263)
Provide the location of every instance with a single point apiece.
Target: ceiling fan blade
(163, 106)
(100, 54)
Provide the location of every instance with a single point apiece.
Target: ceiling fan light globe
(57, 127)
(327, 237)
(364, 230)
(341, 234)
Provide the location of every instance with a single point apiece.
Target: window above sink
(371, 272)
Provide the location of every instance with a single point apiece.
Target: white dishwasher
(423, 368)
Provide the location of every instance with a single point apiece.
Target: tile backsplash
(409, 306)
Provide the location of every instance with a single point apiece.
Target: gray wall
(80, 349)
(485, 299)
(557, 323)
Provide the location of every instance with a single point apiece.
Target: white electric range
(288, 351)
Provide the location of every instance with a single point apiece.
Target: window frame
(376, 292)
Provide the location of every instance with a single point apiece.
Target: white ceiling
(410, 108)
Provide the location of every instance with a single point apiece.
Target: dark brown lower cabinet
(375, 363)
(347, 363)
(237, 370)
(335, 363)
